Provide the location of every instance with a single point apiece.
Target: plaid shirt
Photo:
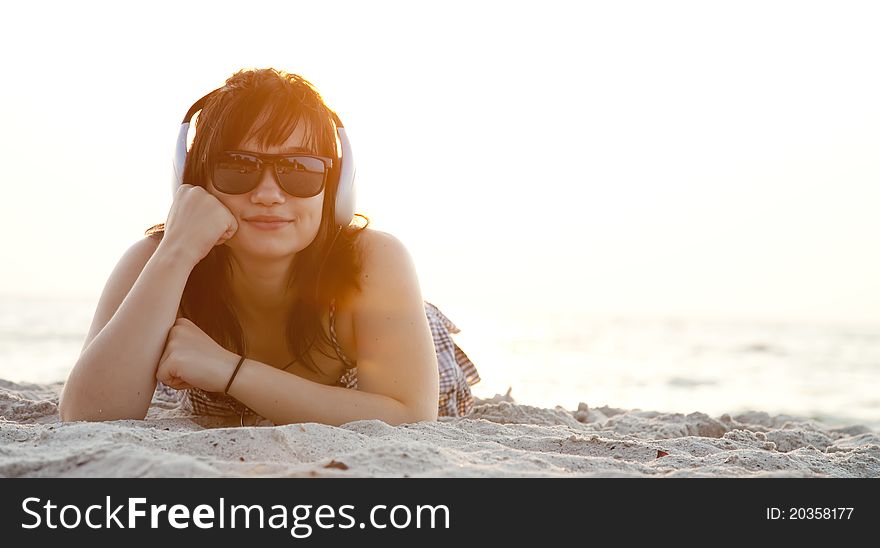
(457, 374)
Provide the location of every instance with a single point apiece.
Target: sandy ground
(499, 438)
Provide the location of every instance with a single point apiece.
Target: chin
(272, 247)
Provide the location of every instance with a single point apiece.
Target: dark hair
(267, 105)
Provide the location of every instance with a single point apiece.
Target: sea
(829, 373)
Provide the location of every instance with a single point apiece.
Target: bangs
(270, 121)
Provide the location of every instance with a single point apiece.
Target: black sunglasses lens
(300, 175)
(237, 173)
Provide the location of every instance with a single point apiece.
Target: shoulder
(143, 249)
(376, 241)
(132, 262)
(382, 252)
(387, 270)
(156, 232)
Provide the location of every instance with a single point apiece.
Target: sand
(500, 438)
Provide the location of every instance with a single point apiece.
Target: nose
(268, 190)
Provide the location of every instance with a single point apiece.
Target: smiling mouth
(269, 225)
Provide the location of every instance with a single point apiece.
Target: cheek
(312, 214)
(227, 201)
(311, 208)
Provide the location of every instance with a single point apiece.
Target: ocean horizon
(824, 372)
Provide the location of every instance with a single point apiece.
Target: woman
(251, 300)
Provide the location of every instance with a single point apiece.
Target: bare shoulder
(388, 273)
(383, 254)
(136, 256)
(372, 240)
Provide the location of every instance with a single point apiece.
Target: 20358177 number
(810, 513)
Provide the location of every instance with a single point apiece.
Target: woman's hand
(193, 359)
(197, 222)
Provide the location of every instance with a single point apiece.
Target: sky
(674, 159)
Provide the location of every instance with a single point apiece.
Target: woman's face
(268, 198)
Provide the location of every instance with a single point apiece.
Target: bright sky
(638, 158)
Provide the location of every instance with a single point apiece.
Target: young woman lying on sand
(304, 319)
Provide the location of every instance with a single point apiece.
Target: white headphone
(345, 190)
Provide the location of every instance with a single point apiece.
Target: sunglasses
(301, 175)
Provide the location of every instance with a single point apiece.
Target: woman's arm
(285, 398)
(398, 380)
(115, 375)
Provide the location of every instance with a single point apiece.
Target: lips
(267, 219)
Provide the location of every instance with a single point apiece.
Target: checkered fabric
(457, 374)
(457, 371)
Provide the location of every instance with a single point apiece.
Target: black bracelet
(234, 373)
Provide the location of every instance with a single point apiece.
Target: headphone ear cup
(345, 189)
(345, 200)
(178, 161)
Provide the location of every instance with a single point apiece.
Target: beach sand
(500, 438)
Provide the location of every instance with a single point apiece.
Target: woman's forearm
(285, 398)
(115, 376)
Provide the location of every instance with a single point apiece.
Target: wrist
(175, 254)
(231, 380)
